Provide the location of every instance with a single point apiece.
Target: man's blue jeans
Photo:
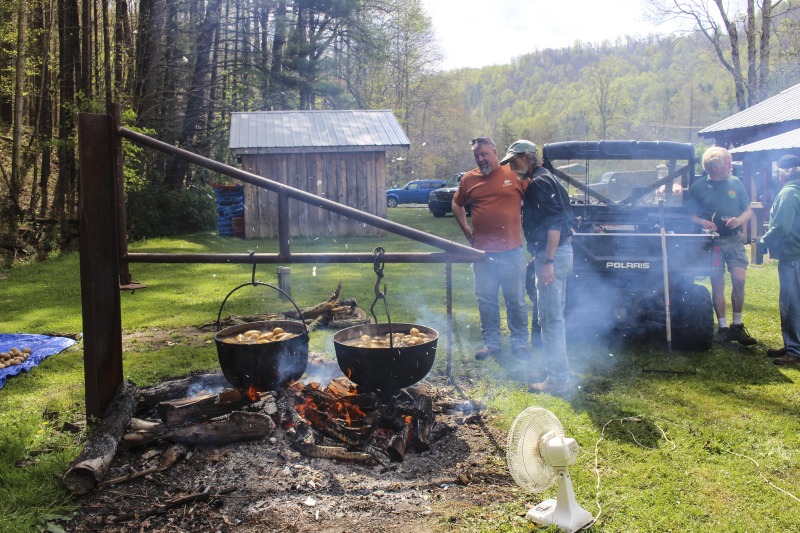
(551, 302)
(789, 277)
(506, 271)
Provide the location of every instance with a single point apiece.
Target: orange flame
(252, 393)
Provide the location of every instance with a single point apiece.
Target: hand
(547, 274)
(469, 235)
(731, 222)
(708, 225)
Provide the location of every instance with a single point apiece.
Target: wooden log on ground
(173, 454)
(400, 442)
(323, 307)
(204, 496)
(180, 388)
(423, 423)
(199, 408)
(237, 427)
(91, 465)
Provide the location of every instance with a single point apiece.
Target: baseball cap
(789, 161)
(519, 147)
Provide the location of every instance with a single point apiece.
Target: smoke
(207, 384)
(322, 373)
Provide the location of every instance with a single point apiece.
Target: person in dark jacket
(783, 241)
(547, 226)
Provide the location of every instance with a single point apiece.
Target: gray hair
(474, 143)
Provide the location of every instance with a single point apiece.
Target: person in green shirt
(719, 203)
(783, 241)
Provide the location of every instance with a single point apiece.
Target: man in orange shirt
(495, 193)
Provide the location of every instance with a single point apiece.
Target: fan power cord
(627, 419)
(638, 419)
(758, 466)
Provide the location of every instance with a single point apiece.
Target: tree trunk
(764, 52)
(69, 54)
(122, 46)
(752, 75)
(107, 58)
(85, 27)
(147, 60)
(15, 185)
(192, 117)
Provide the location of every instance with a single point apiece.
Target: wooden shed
(338, 155)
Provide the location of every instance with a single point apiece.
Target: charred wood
(237, 426)
(179, 388)
(204, 496)
(380, 456)
(400, 442)
(173, 454)
(199, 408)
(333, 452)
(91, 465)
(423, 423)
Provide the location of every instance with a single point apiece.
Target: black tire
(692, 318)
(391, 201)
(438, 213)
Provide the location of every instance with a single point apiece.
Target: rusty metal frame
(105, 257)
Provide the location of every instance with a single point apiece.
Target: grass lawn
(716, 449)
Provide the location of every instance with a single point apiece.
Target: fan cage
(523, 453)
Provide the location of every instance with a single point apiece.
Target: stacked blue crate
(230, 204)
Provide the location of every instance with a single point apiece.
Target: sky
(517, 27)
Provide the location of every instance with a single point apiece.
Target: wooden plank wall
(356, 179)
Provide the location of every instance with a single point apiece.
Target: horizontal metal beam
(303, 196)
(249, 259)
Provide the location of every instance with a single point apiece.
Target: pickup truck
(414, 192)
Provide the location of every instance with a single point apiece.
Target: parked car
(440, 200)
(414, 192)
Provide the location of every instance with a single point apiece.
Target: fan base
(567, 518)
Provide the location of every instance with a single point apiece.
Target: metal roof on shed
(782, 107)
(785, 141)
(283, 132)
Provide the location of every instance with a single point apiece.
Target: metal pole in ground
(666, 275)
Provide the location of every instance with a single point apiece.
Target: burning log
(235, 427)
(199, 408)
(238, 426)
(423, 423)
(91, 465)
(382, 457)
(179, 388)
(324, 307)
(173, 454)
(400, 442)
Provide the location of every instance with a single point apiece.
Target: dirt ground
(267, 485)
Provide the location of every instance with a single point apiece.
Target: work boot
(786, 360)
(738, 333)
(773, 353)
(556, 388)
(721, 337)
(486, 353)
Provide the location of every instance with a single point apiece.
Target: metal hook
(380, 295)
(253, 258)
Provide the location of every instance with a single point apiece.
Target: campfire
(335, 421)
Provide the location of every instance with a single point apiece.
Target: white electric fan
(538, 455)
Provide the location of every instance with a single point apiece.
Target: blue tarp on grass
(41, 346)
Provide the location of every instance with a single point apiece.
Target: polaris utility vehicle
(637, 253)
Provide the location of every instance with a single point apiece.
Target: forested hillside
(180, 67)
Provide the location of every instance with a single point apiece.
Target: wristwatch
(545, 260)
